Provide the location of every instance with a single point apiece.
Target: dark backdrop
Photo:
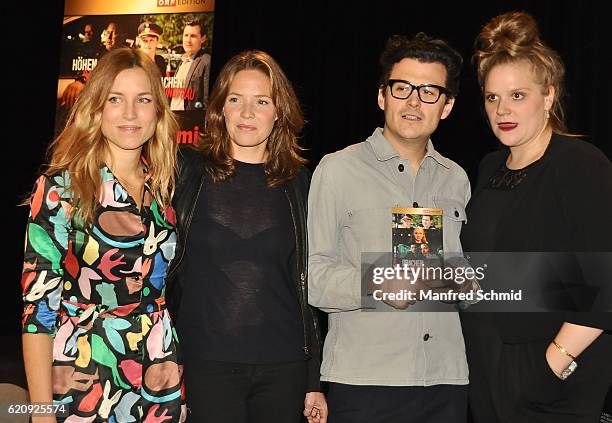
(329, 49)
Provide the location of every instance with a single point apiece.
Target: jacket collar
(383, 150)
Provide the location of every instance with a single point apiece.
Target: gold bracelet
(563, 350)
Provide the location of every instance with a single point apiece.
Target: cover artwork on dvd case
(416, 235)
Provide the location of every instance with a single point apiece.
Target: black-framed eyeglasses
(428, 93)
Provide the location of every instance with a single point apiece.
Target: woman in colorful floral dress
(97, 338)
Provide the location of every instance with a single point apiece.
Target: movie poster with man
(176, 34)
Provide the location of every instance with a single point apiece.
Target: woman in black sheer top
(251, 343)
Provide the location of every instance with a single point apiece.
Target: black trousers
(219, 392)
(397, 404)
(512, 383)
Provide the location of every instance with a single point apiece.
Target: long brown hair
(80, 148)
(513, 37)
(283, 158)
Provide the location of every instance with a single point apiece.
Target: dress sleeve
(586, 201)
(45, 246)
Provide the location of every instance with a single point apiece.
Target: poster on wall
(176, 34)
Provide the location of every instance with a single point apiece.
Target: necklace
(130, 186)
(132, 189)
(135, 192)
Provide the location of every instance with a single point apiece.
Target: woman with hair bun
(538, 367)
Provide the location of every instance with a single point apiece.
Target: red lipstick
(507, 126)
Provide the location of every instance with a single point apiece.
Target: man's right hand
(406, 289)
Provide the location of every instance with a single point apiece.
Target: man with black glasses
(390, 366)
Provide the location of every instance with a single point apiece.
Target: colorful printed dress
(101, 297)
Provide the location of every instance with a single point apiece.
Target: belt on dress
(87, 313)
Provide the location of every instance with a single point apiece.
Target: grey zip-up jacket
(349, 213)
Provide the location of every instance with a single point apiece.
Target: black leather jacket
(190, 181)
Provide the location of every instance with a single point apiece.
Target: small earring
(546, 114)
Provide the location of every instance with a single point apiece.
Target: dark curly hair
(424, 49)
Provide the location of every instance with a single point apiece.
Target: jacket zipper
(186, 226)
(297, 272)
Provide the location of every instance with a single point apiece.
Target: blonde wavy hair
(513, 37)
(80, 148)
(283, 158)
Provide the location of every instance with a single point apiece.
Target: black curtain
(329, 50)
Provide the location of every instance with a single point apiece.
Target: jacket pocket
(453, 212)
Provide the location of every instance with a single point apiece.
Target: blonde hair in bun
(513, 37)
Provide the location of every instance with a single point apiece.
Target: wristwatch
(568, 370)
